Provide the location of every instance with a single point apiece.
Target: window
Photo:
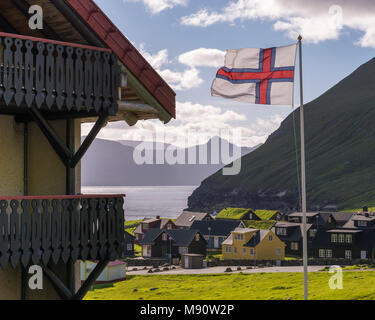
(145, 226)
(322, 253)
(334, 238)
(235, 250)
(281, 231)
(165, 237)
(130, 247)
(349, 238)
(169, 226)
(348, 254)
(228, 249)
(270, 237)
(278, 251)
(244, 251)
(137, 236)
(183, 250)
(312, 233)
(294, 246)
(341, 238)
(329, 220)
(329, 253)
(362, 223)
(197, 237)
(251, 251)
(251, 216)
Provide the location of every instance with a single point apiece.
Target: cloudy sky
(186, 40)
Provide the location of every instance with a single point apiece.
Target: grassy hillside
(261, 286)
(340, 155)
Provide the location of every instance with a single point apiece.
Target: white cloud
(203, 57)
(198, 122)
(190, 77)
(317, 21)
(157, 6)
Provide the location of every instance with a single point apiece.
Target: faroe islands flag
(258, 76)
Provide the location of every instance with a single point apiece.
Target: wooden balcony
(39, 230)
(56, 76)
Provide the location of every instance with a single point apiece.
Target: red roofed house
(152, 223)
(79, 68)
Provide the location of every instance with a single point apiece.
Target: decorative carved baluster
(46, 232)
(40, 75)
(115, 85)
(36, 232)
(120, 232)
(50, 75)
(103, 232)
(79, 80)
(70, 76)
(8, 72)
(98, 81)
(93, 229)
(111, 229)
(4, 234)
(106, 81)
(84, 239)
(88, 79)
(56, 231)
(75, 229)
(65, 229)
(18, 72)
(25, 233)
(29, 73)
(15, 234)
(60, 77)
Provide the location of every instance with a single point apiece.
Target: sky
(186, 41)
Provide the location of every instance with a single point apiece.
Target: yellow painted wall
(46, 177)
(265, 250)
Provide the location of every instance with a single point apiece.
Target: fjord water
(141, 202)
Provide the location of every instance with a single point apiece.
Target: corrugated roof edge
(98, 21)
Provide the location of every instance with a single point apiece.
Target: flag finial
(299, 38)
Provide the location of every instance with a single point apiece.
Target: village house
(253, 244)
(78, 69)
(129, 245)
(152, 223)
(355, 240)
(158, 243)
(269, 215)
(292, 235)
(238, 214)
(216, 231)
(186, 219)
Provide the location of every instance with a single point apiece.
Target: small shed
(192, 261)
(114, 272)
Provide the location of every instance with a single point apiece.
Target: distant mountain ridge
(111, 163)
(340, 152)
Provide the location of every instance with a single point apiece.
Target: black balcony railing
(39, 230)
(57, 75)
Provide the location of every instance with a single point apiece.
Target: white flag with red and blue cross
(258, 76)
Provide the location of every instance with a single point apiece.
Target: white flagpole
(303, 180)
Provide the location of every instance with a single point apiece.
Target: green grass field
(261, 286)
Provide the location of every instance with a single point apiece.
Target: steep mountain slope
(340, 151)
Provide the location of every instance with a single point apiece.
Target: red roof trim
(127, 53)
(57, 197)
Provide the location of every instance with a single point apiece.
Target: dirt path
(218, 270)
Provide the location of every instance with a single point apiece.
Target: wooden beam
(59, 286)
(56, 142)
(94, 275)
(77, 23)
(6, 26)
(89, 140)
(24, 7)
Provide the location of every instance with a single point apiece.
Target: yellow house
(253, 244)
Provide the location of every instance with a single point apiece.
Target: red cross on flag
(258, 76)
